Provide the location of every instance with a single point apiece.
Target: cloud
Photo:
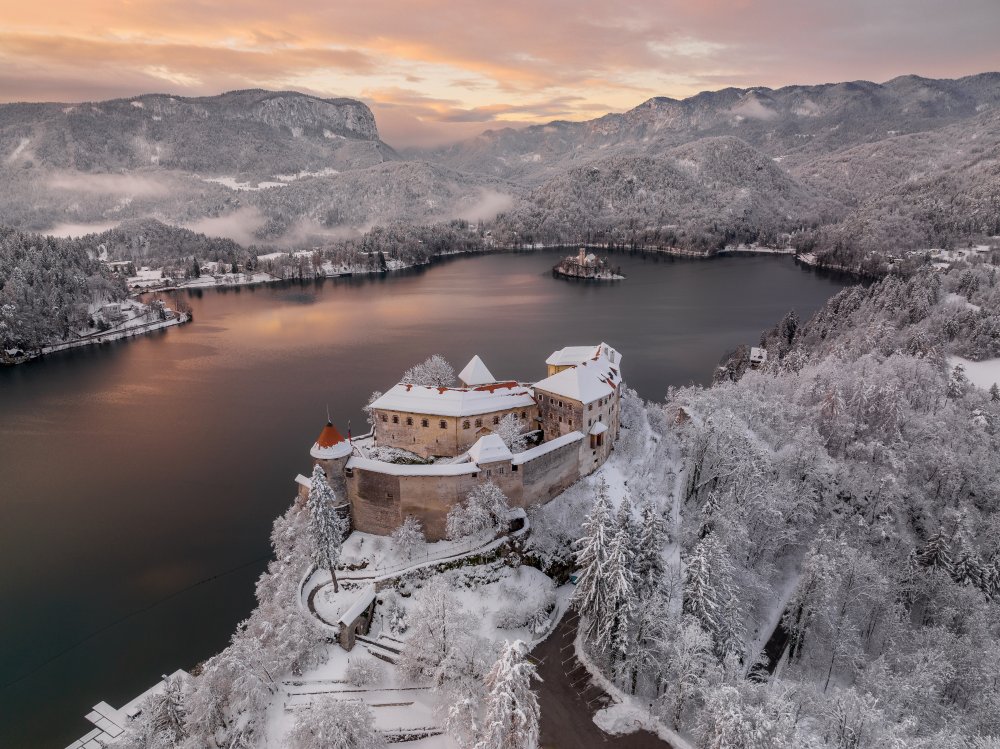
(240, 225)
(126, 185)
(521, 60)
(486, 208)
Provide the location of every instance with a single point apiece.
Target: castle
(573, 415)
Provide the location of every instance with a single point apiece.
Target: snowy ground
(490, 592)
(982, 374)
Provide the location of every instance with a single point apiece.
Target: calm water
(138, 481)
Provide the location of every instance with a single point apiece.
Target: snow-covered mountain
(858, 166)
(242, 132)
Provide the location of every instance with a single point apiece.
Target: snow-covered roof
(330, 444)
(572, 355)
(489, 449)
(471, 401)
(421, 469)
(585, 382)
(476, 373)
(304, 481)
(546, 447)
(356, 609)
(599, 428)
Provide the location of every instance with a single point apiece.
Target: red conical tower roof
(331, 444)
(329, 436)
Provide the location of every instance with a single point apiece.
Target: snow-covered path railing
(374, 575)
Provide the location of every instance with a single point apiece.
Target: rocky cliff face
(241, 132)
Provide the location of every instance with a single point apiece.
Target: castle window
(395, 418)
(513, 467)
(560, 419)
(443, 424)
(424, 423)
(571, 422)
(409, 421)
(385, 418)
(489, 472)
(388, 495)
(590, 406)
(479, 422)
(524, 415)
(501, 470)
(466, 424)
(496, 420)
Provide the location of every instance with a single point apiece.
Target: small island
(588, 266)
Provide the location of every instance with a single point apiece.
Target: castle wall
(380, 501)
(549, 474)
(406, 430)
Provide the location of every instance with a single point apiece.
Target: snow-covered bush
(532, 612)
(555, 526)
(511, 431)
(408, 538)
(330, 723)
(485, 508)
(434, 372)
(393, 612)
(361, 672)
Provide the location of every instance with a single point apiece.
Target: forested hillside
(46, 286)
(848, 491)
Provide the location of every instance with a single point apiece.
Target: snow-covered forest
(46, 287)
(846, 493)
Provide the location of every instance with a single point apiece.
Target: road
(567, 720)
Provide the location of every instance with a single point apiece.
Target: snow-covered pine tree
(512, 711)
(967, 569)
(625, 522)
(592, 550)
(326, 527)
(935, 553)
(701, 599)
(649, 566)
(614, 635)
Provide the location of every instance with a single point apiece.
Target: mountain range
(858, 166)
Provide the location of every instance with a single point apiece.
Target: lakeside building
(447, 444)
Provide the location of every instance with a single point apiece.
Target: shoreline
(253, 280)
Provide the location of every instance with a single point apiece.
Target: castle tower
(330, 452)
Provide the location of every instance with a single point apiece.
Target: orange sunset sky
(435, 71)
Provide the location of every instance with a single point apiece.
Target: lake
(139, 480)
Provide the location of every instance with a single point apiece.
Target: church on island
(430, 446)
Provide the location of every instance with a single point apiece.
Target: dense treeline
(46, 286)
